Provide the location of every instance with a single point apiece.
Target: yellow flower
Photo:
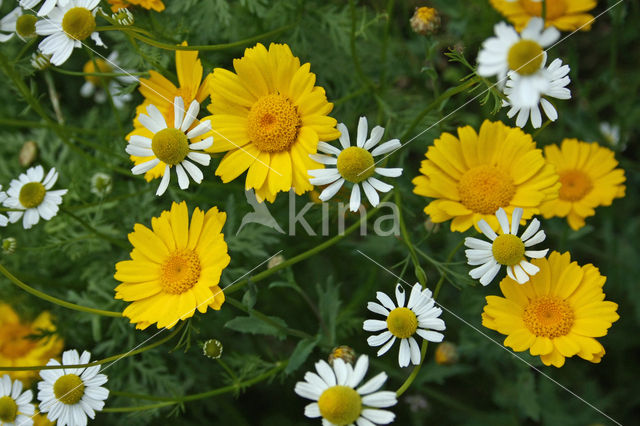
(269, 116)
(475, 174)
(588, 178)
(161, 92)
(17, 349)
(425, 20)
(558, 313)
(565, 15)
(174, 268)
(156, 5)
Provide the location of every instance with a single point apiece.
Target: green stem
(123, 28)
(94, 230)
(138, 408)
(55, 300)
(25, 49)
(98, 74)
(264, 318)
(544, 126)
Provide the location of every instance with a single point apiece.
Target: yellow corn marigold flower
(269, 116)
(471, 176)
(159, 91)
(156, 5)
(17, 349)
(588, 178)
(557, 314)
(565, 15)
(425, 20)
(174, 268)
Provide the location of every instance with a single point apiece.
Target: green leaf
(250, 296)
(253, 325)
(329, 307)
(300, 354)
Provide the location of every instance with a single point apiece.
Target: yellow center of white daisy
(170, 145)
(103, 67)
(213, 348)
(555, 8)
(26, 26)
(484, 189)
(525, 57)
(78, 23)
(14, 342)
(575, 184)
(273, 123)
(180, 272)
(507, 249)
(32, 194)
(548, 316)
(341, 405)
(69, 389)
(355, 164)
(402, 322)
(8, 409)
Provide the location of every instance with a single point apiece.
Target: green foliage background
(390, 75)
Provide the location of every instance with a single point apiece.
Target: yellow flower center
(69, 389)
(508, 249)
(78, 23)
(484, 189)
(575, 184)
(14, 342)
(525, 57)
(341, 405)
(548, 316)
(555, 8)
(170, 145)
(402, 322)
(8, 409)
(426, 14)
(180, 272)
(32, 194)
(355, 164)
(26, 26)
(90, 67)
(273, 123)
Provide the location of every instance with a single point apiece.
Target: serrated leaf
(253, 325)
(300, 354)
(250, 296)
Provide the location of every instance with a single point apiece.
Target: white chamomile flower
(69, 395)
(339, 402)
(31, 196)
(171, 145)
(525, 93)
(15, 405)
(3, 219)
(9, 24)
(46, 7)
(93, 85)
(508, 50)
(505, 249)
(420, 317)
(354, 164)
(66, 26)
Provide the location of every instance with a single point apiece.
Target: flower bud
(346, 353)
(425, 20)
(212, 348)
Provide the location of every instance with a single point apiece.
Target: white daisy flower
(66, 26)
(93, 85)
(354, 164)
(31, 195)
(525, 93)
(15, 405)
(505, 249)
(69, 395)
(420, 317)
(508, 50)
(339, 402)
(171, 145)
(46, 7)
(8, 24)
(3, 219)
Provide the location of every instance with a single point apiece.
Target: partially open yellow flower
(156, 5)
(565, 15)
(588, 177)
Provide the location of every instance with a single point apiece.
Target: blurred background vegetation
(371, 63)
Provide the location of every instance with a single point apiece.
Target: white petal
(359, 371)
(371, 193)
(400, 295)
(326, 373)
(374, 325)
(202, 128)
(531, 229)
(340, 369)
(380, 399)
(415, 351)
(388, 172)
(190, 116)
(404, 355)
(307, 390)
(384, 349)
(193, 170)
(536, 254)
(145, 167)
(379, 185)
(521, 276)
(178, 112)
(486, 230)
(538, 238)
(312, 410)
(331, 190)
(376, 136)
(431, 336)
(515, 220)
(379, 339)
(490, 274)
(385, 300)
(344, 135)
(378, 309)
(362, 131)
(529, 268)
(183, 179)
(386, 147)
(323, 159)
(327, 148)
(199, 158)
(501, 215)
(354, 201)
(164, 183)
(373, 384)
(476, 243)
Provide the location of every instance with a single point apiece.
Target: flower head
(565, 15)
(175, 268)
(46, 7)
(425, 20)
(339, 402)
(94, 85)
(588, 178)
(156, 5)
(69, 395)
(354, 164)
(172, 146)
(32, 197)
(15, 405)
(19, 23)
(420, 317)
(101, 184)
(212, 348)
(505, 249)
(66, 27)
(269, 117)
(470, 177)
(557, 314)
